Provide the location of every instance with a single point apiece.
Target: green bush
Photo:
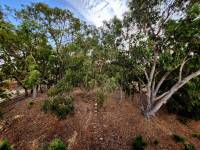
(179, 138)
(59, 105)
(189, 147)
(52, 91)
(101, 98)
(57, 144)
(139, 143)
(4, 145)
(46, 106)
(61, 87)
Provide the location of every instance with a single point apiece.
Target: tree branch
(160, 82)
(181, 70)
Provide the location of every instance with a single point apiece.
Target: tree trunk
(26, 92)
(34, 92)
(157, 104)
(41, 91)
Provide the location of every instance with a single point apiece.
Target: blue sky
(91, 11)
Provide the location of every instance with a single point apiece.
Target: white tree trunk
(167, 95)
(34, 92)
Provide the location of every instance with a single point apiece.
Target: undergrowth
(5, 145)
(57, 144)
(139, 143)
(58, 105)
(179, 138)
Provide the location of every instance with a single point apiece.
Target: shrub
(179, 138)
(57, 144)
(61, 87)
(59, 105)
(52, 91)
(101, 98)
(156, 141)
(4, 145)
(46, 106)
(139, 143)
(196, 135)
(30, 104)
(189, 147)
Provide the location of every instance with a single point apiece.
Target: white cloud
(96, 11)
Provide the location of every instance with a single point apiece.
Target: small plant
(179, 138)
(30, 104)
(101, 98)
(43, 146)
(156, 141)
(57, 144)
(52, 91)
(189, 147)
(196, 135)
(59, 105)
(4, 145)
(46, 106)
(139, 143)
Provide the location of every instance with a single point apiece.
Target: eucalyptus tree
(17, 43)
(12, 54)
(167, 41)
(59, 25)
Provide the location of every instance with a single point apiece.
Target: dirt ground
(113, 127)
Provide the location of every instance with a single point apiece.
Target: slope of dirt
(112, 127)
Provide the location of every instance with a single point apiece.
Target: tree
(59, 26)
(164, 46)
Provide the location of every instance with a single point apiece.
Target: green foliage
(57, 144)
(53, 91)
(46, 106)
(139, 143)
(186, 102)
(189, 147)
(179, 138)
(4, 145)
(58, 105)
(61, 87)
(101, 98)
(32, 78)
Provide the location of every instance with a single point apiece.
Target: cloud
(96, 11)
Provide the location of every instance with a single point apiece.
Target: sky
(92, 11)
